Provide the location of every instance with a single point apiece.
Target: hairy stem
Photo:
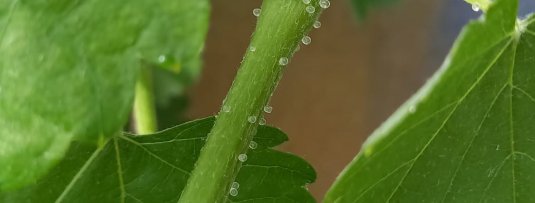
(144, 109)
(281, 26)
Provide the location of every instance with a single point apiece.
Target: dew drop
(252, 48)
(251, 119)
(235, 185)
(162, 59)
(242, 157)
(226, 108)
(412, 109)
(256, 12)
(475, 7)
(233, 192)
(325, 4)
(317, 24)
(310, 9)
(268, 109)
(253, 145)
(306, 1)
(283, 61)
(262, 121)
(306, 40)
(497, 147)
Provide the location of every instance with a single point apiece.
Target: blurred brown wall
(336, 90)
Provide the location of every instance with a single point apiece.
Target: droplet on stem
(306, 40)
(268, 109)
(235, 185)
(242, 157)
(233, 192)
(253, 145)
(310, 9)
(262, 121)
(283, 61)
(325, 4)
(317, 24)
(257, 11)
(251, 119)
(306, 1)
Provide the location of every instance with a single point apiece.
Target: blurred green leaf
(362, 7)
(68, 68)
(155, 168)
(467, 135)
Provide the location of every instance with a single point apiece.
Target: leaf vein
(78, 175)
(154, 155)
(119, 170)
(471, 142)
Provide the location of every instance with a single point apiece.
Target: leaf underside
(155, 168)
(468, 135)
(68, 68)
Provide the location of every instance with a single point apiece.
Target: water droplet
(253, 145)
(268, 109)
(412, 109)
(226, 108)
(233, 192)
(306, 1)
(317, 24)
(235, 185)
(325, 4)
(242, 157)
(262, 121)
(497, 147)
(306, 40)
(256, 12)
(475, 7)
(283, 61)
(162, 59)
(251, 119)
(252, 48)
(310, 9)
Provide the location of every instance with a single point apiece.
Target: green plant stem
(144, 108)
(281, 26)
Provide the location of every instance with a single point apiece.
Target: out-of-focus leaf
(362, 7)
(468, 135)
(155, 168)
(68, 68)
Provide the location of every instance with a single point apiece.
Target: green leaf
(467, 135)
(68, 68)
(362, 7)
(155, 168)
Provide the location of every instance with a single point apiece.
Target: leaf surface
(155, 168)
(467, 135)
(68, 68)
